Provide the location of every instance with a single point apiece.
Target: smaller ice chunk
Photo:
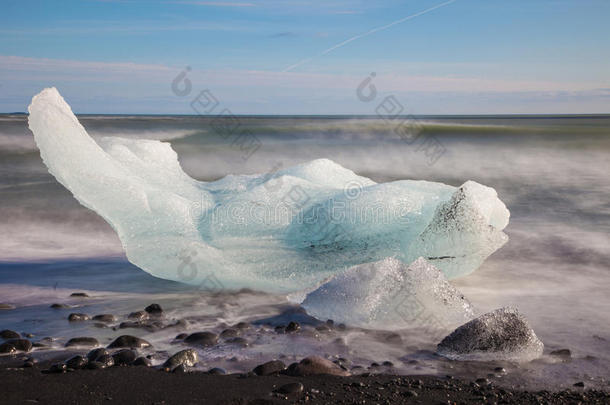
(390, 295)
(503, 334)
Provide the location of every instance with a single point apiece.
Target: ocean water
(551, 171)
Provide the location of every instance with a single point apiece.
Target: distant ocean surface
(551, 171)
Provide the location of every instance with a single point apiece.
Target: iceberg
(390, 295)
(278, 232)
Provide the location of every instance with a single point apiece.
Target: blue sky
(464, 57)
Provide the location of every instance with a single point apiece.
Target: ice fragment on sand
(390, 295)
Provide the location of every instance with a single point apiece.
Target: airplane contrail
(372, 31)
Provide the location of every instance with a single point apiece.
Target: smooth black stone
(128, 341)
(139, 315)
(181, 336)
(561, 353)
(23, 345)
(7, 348)
(229, 333)
(154, 309)
(124, 357)
(106, 360)
(77, 362)
(388, 364)
(95, 353)
(270, 367)
(106, 318)
(28, 364)
(293, 327)
(142, 361)
(291, 388)
(202, 339)
(238, 341)
(58, 368)
(187, 357)
(217, 371)
(76, 317)
(83, 341)
(9, 334)
(60, 306)
(579, 384)
(181, 369)
(96, 365)
(79, 295)
(242, 325)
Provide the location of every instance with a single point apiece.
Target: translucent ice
(390, 295)
(283, 231)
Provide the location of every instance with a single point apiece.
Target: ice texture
(503, 334)
(278, 232)
(390, 295)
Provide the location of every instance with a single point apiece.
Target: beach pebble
(79, 295)
(217, 371)
(76, 317)
(201, 339)
(501, 334)
(293, 327)
(7, 348)
(60, 306)
(242, 325)
(128, 341)
(181, 336)
(106, 318)
(142, 361)
(154, 309)
(6, 306)
(96, 365)
(95, 353)
(579, 384)
(57, 368)
(187, 357)
(130, 324)
(106, 360)
(77, 362)
(561, 353)
(181, 369)
(83, 341)
(229, 333)
(23, 345)
(238, 341)
(9, 334)
(139, 315)
(291, 388)
(270, 367)
(314, 365)
(124, 357)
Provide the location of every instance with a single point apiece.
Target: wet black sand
(142, 385)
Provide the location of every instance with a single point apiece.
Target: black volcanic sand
(142, 385)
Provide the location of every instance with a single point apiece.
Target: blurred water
(552, 173)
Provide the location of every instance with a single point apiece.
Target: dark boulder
(503, 334)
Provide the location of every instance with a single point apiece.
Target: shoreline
(144, 385)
